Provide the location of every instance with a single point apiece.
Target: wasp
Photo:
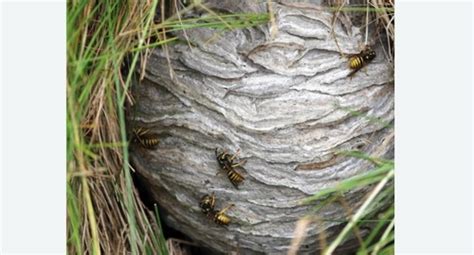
(235, 177)
(220, 217)
(145, 138)
(226, 163)
(207, 203)
(356, 62)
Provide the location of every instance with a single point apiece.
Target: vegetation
(105, 39)
(376, 210)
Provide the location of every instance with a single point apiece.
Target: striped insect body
(145, 138)
(207, 205)
(358, 61)
(227, 164)
(235, 177)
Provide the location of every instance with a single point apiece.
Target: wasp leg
(235, 155)
(140, 140)
(226, 208)
(141, 131)
(365, 70)
(351, 74)
(235, 184)
(224, 152)
(240, 163)
(145, 131)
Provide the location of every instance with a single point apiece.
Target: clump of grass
(107, 41)
(376, 210)
(104, 212)
(385, 19)
(378, 15)
(225, 21)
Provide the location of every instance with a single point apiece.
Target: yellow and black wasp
(207, 203)
(145, 138)
(220, 217)
(226, 163)
(357, 61)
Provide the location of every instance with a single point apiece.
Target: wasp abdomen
(234, 177)
(356, 62)
(145, 139)
(221, 219)
(150, 142)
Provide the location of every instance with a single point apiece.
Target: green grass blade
(74, 218)
(164, 250)
(356, 217)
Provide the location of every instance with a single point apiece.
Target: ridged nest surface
(285, 101)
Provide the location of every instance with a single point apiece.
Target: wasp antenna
(240, 163)
(226, 208)
(235, 155)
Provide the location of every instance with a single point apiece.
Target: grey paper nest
(284, 102)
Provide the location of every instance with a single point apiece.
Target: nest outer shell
(285, 102)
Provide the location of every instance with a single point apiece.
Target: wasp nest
(285, 100)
